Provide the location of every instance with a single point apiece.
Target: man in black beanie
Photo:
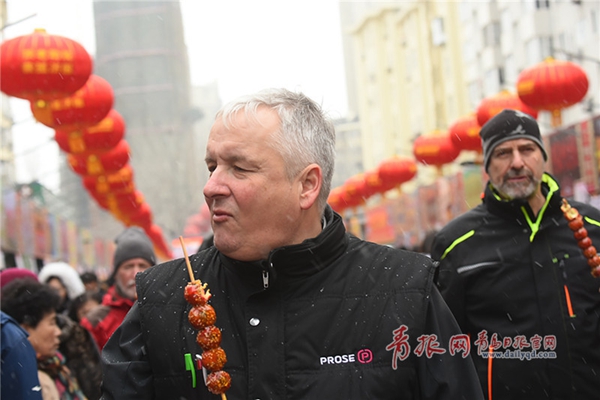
(134, 253)
(515, 278)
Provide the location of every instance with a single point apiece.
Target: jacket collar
(300, 260)
(519, 208)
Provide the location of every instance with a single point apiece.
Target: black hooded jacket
(325, 319)
(523, 281)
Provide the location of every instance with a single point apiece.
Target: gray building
(140, 51)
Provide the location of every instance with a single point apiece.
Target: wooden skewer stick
(187, 260)
(192, 279)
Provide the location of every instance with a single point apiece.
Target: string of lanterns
(54, 74)
(551, 85)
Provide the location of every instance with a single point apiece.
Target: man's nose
(517, 160)
(215, 186)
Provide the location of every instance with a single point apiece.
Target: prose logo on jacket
(363, 356)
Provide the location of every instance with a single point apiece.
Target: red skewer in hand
(202, 316)
(581, 235)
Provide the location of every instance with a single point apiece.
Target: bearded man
(134, 253)
(516, 279)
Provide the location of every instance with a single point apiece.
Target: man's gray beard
(121, 291)
(515, 191)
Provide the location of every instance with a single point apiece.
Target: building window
(438, 37)
(542, 4)
(491, 34)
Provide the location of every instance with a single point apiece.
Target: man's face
(125, 276)
(516, 168)
(254, 207)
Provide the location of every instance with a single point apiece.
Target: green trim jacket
(520, 283)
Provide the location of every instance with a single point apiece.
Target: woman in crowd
(33, 305)
(62, 277)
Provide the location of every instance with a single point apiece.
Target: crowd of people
(55, 323)
(499, 304)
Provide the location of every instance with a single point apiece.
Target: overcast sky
(245, 45)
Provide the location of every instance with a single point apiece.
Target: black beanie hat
(132, 243)
(509, 125)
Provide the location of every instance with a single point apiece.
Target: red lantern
(464, 133)
(356, 186)
(156, 235)
(552, 85)
(375, 184)
(435, 148)
(100, 164)
(349, 197)
(96, 139)
(87, 107)
(397, 170)
(491, 106)
(142, 217)
(117, 182)
(335, 200)
(125, 203)
(43, 66)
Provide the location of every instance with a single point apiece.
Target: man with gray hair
(306, 310)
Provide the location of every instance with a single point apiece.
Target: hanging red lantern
(43, 66)
(552, 85)
(123, 203)
(464, 133)
(435, 148)
(95, 139)
(156, 235)
(87, 107)
(397, 170)
(375, 184)
(356, 186)
(142, 217)
(116, 182)
(100, 164)
(335, 200)
(491, 106)
(349, 198)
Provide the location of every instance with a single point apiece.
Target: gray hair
(306, 135)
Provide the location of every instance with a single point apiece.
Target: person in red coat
(134, 253)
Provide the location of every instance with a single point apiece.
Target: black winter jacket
(514, 277)
(316, 320)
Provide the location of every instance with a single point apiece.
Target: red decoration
(435, 148)
(335, 200)
(349, 198)
(491, 106)
(43, 66)
(552, 85)
(464, 133)
(375, 184)
(96, 139)
(87, 107)
(124, 203)
(397, 170)
(120, 181)
(155, 234)
(100, 164)
(142, 217)
(356, 187)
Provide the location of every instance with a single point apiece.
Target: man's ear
(310, 180)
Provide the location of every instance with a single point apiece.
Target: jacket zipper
(563, 270)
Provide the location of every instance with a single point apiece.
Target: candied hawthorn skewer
(581, 235)
(202, 316)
